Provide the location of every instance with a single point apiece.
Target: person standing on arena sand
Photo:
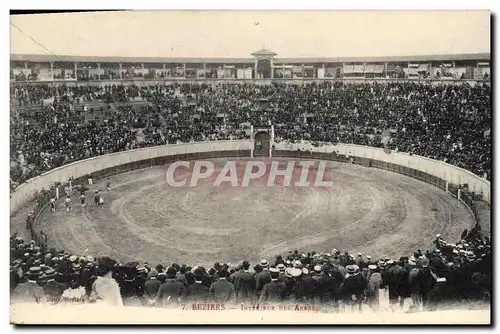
(82, 200)
(53, 204)
(67, 190)
(101, 200)
(67, 203)
(96, 198)
(105, 289)
(108, 185)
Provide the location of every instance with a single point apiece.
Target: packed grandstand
(54, 125)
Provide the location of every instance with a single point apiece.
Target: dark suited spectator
(353, 287)
(263, 277)
(398, 284)
(306, 287)
(52, 288)
(198, 292)
(442, 295)
(151, 286)
(282, 276)
(171, 292)
(29, 290)
(244, 283)
(272, 291)
(413, 283)
(222, 290)
(373, 287)
(426, 280)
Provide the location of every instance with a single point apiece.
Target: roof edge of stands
(409, 58)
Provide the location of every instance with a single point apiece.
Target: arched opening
(262, 144)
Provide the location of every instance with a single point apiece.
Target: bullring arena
(374, 211)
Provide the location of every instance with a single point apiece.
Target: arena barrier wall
(381, 158)
(27, 191)
(378, 158)
(47, 185)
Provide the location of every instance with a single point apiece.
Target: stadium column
(204, 70)
(98, 71)
(76, 70)
(52, 70)
(256, 76)
(385, 70)
(121, 74)
(184, 70)
(164, 71)
(272, 68)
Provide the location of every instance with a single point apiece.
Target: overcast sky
(237, 34)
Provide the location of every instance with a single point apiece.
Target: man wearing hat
(198, 292)
(306, 287)
(263, 277)
(360, 262)
(316, 274)
(29, 290)
(151, 286)
(413, 284)
(426, 279)
(291, 283)
(244, 283)
(373, 287)
(222, 290)
(328, 284)
(171, 291)
(272, 291)
(282, 276)
(352, 289)
(52, 288)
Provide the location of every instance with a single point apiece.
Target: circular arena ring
(370, 210)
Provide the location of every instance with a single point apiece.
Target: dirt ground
(368, 210)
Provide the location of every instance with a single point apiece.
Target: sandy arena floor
(368, 210)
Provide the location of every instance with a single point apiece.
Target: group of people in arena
(53, 125)
(451, 275)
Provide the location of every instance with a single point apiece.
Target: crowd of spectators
(450, 276)
(51, 126)
(451, 123)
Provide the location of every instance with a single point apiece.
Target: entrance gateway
(262, 139)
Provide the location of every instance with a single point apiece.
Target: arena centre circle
(377, 212)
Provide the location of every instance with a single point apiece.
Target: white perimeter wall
(437, 168)
(25, 192)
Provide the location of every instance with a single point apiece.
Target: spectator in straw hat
(426, 279)
(291, 283)
(413, 284)
(353, 287)
(373, 287)
(263, 277)
(29, 290)
(306, 287)
(282, 276)
(52, 288)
